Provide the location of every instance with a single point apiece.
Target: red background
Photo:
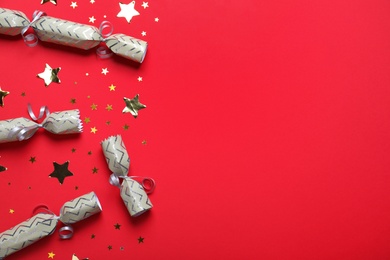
(267, 130)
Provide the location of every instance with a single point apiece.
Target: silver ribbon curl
(31, 40)
(114, 180)
(103, 52)
(24, 133)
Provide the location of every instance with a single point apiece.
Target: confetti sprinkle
(112, 87)
(87, 120)
(140, 240)
(51, 255)
(92, 236)
(73, 100)
(3, 93)
(145, 4)
(89, 152)
(95, 170)
(105, 71)
(126, 127)
(109, 247)
(73, 150)
(143, 33)
(93, 130)
(127, 11)
(11, 211)
(50, 75)
(92, 19)
(117, 226)
(144, 142)
(94, 106)
(139, 79)
(73, 5)
(108, 122)
(109, 107)
(133, 106)
(156, 19)
(76, 187)
(32, 159)
(23, 94)
(54, 2)
(92, 1)
(61, 171)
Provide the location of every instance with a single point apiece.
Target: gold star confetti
(145, 4)
(23, 94)
(61, 171)
(73, 100)
(126, 127)
(93, 130)
(105, 71)
(109, 247)
(32, 159)
(144, 142)
(73, 150)
(108, 122)
(117, 226)
(50, 75)
(73, 5)
(112, 87)
(54, 2)
(95, 170)
(51, 255)
(133, 106)
(11, 211)
(109, 107)
(87, 120)
(94, 106)
(127, 11)
(3, 93)
(140, 240)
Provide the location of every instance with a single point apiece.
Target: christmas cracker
(132, 192)
(63, 32)
(44, 224)
(62, 122)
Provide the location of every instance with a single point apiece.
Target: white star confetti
(139, 79)
(105, 71)
(156, 19)
(127, 11)
(145, 4)
(92, 19)
(92, 1)
(143, 33)
(73, 5)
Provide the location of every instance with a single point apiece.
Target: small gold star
(95, 170)
(73, 150)
(51, 255)
(54, 2)
(94, 106)
(133, 106)
(23, 94)
(92, 236)
(112, 87)
(73, 100)
(109, 107)
(3, 93)
(144, 142)
(117, 226)
(89, 152)
(109, 247)
(32, 159)
(50, 75)
(126, 127)
(87, 120)
(140, 240)
(93, 130)
(11, 211)
(108, 122)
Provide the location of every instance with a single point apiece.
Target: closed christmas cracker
(68, 33)
(132, 192)
(62, 122)
(44, 224)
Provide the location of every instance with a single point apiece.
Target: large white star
(127, 11)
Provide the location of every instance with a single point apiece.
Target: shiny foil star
(127, 11)
(3, 93)
(61, 171)
(54, 2)
(133, 106)
(50, 75)
(51, 255)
